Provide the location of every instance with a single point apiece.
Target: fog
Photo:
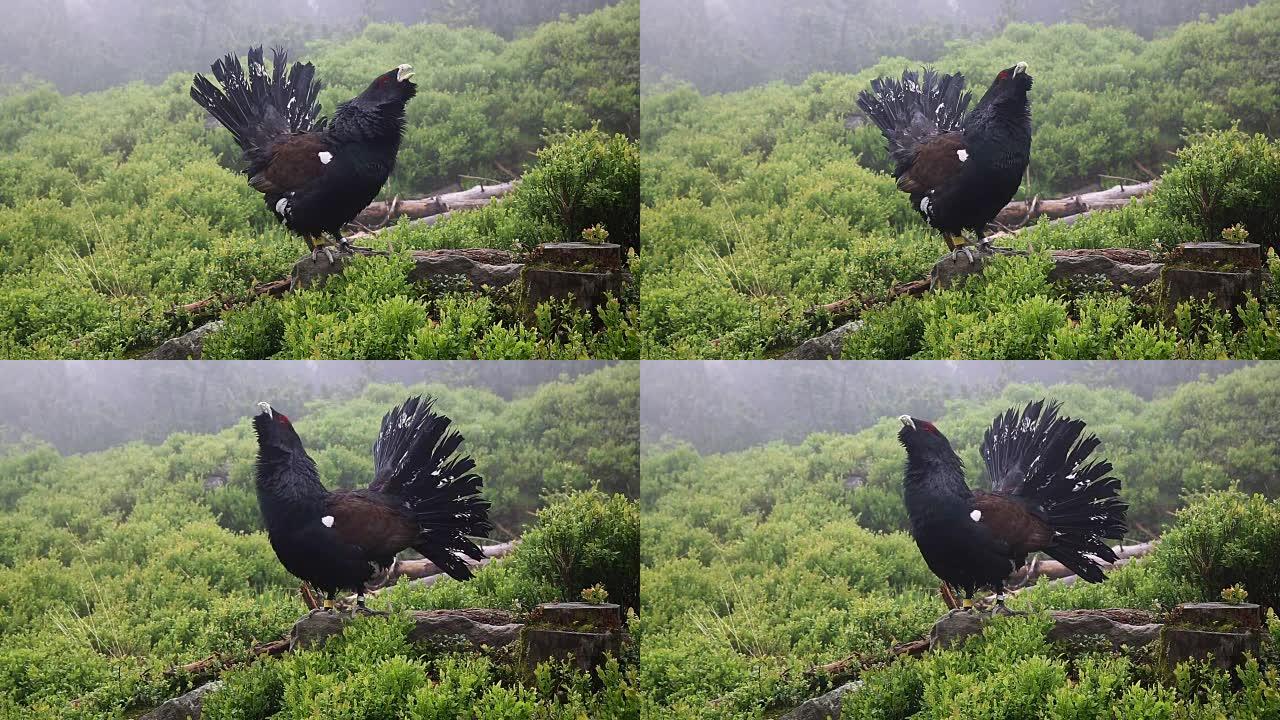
(81, 45)
(722, 406)
(82, 406)
(725, 45)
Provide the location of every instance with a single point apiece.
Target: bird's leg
(345, 245)
(999, 608)
(317, 245)
(968, 600)
(360, 607)
(956, 244)
(328, 601)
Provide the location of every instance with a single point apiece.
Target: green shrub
(1222, 539)
(1225, 178)
(582, 179)
(587, 538)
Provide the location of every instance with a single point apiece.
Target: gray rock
(1069, 626)
(955, 266)
(482, 266)
(494, 628)
(313, 272)
(1118, 268)
(185, 707)
(494, 268)
(824, 707)
(184, 347)
(435, 625)
(824, 347)
(953, 628)
(315, 628)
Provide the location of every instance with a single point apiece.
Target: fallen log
(1055, 570)
(275, 288)
(214, 663)
(1023, 212)
(380, 214)
(417, 569)
(847, 308)
(851, 666)
(426, 572)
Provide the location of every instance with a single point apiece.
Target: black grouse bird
(317, 173)
(423, 496)
(960, 169)
(1046, 496)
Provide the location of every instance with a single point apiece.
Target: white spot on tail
(976, 515)
(325, 156)
(327, 520)
(962, 154)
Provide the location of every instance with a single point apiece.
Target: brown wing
(1011, 521)
(381, 528)
(937, 160)
(295, 161)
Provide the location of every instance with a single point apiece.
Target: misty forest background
(774, 536)
(122, 556)
(122, 203)
(765, 191)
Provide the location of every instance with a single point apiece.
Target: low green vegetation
(760, 204)
(758, 565)
(117, 565)
(118, 206)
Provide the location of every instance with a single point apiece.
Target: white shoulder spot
(924, 204)
(976, 515)
(281, 206)
(326, 156)
(962, 154)
(328, 520)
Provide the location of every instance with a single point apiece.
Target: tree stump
(1219, 632)
(580, 255)
(586, 290)
(581, 632)
(1224, 271)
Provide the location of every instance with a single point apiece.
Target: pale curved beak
(404, 72)
(1020, 68)
(266, 408)
(906, 420)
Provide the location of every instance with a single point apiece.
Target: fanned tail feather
(415, 460)
(256, 108)
(1040, 457)
(909, 111)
